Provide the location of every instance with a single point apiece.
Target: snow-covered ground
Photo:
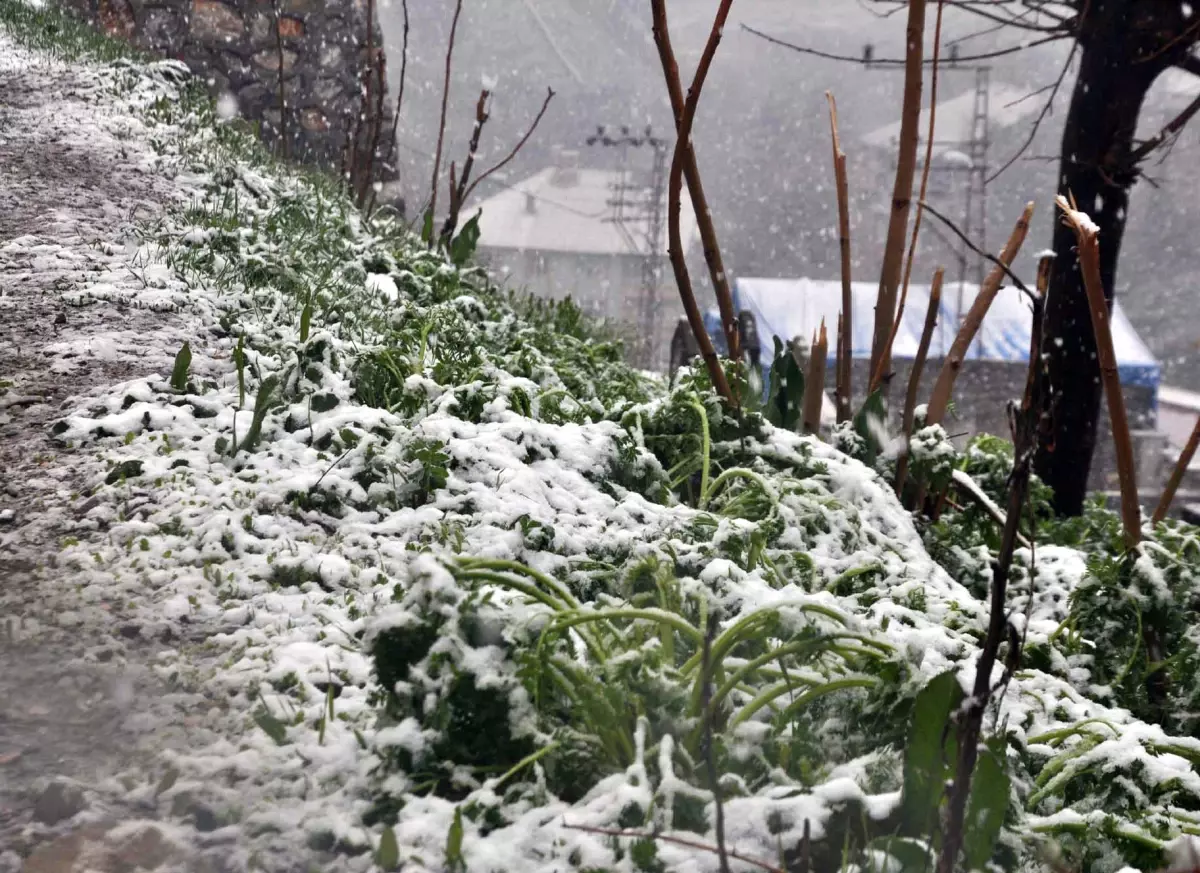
(369, 445)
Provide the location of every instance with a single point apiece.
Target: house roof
(569, 211)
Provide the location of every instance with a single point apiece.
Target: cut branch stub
(1086, 233)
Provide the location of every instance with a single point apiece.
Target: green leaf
(454, 843)
(427, 227)
(870, 423)
(262, 403)
(272, 726)
(914, 855)
(987, 805)
(167, 782)
(462, 247)
(179, 375)
(388, 856)
(785, 397)
(930, 754)
(305, 322)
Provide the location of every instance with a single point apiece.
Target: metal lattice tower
(642, 205)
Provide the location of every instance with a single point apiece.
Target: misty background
(762, 132)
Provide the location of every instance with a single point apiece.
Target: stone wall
(232, 45)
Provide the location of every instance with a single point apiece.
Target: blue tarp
(790, 308)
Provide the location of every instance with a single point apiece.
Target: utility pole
(643, 206)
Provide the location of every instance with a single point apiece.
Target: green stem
(527, 761)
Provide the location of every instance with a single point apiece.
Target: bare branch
(896, 62)
(1046, 109)
(1171, 129)
(679, 159)
(550, 93)
(1016, 280)
(437, 155)
(708, 233)
(458, 187)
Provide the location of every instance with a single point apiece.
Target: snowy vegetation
(489, 595)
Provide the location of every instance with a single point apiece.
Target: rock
(60, 801)
(214, 20)
(145, 849)
(60, 855)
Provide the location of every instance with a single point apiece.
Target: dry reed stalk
(845, 349)
(437, 155)
(1089, 262)
(914, 378)
(814, 382)
(675, 183)
(939, 398)
(885, 360)
(906, 167)
(1185, 459)
(691, 169)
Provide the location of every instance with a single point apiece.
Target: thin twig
(437, 155)
(846, 319)
(675, 182)
(902, 189)
(710, 754)
(1046, 109)
(516, 149)
(885, 359)
(1173, 127)
(939, 399)
(1181, 466)
(896, 62)
(678, 841)
(1089, 263)
(970, 725)
(914, 378)
(988, 256)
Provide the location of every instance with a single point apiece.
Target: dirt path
(79, 700)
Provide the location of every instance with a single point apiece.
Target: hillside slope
(437, 580)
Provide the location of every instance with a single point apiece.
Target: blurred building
(582, 233)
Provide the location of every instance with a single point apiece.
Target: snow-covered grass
(463, 573)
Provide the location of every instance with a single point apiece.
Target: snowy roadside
(358, 423)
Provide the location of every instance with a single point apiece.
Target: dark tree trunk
(1121, 55)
